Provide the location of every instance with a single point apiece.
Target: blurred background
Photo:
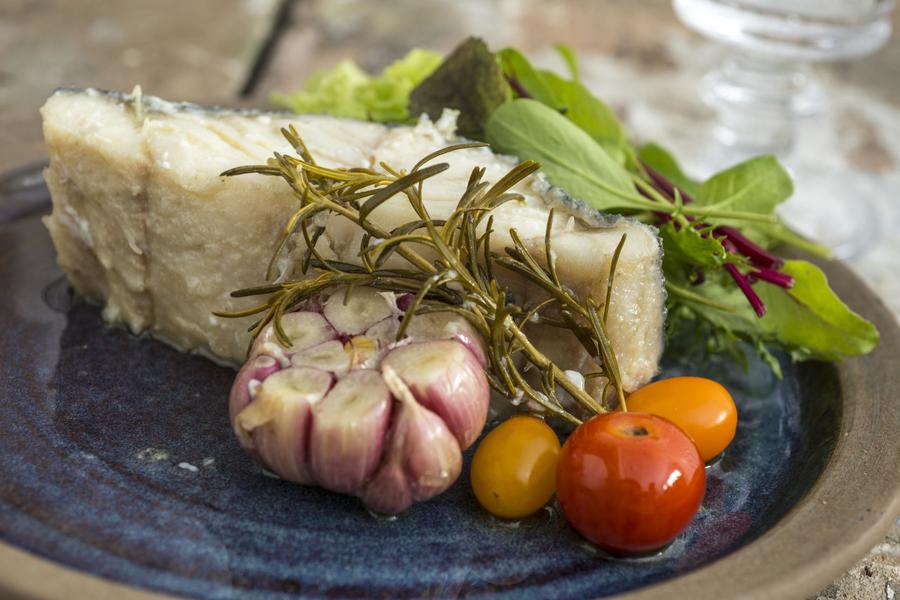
(714, 81)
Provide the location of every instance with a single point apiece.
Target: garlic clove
(384, 331)
(306, 330)
(422, 458)
(364, 307)
(330, 356)
(448, 380)
(446, 326)
(348, 429)
(254, 370)
(364, 352)
(275, 425)
(389, 492)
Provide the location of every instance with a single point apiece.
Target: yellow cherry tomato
(700, 407)
(514, 468)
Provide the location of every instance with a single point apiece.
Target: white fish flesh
(144, 223)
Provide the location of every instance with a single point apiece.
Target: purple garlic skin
(251, 374)
(350, 408)
(422, 460)
(276, 424)
(447, 379)
(347, 435)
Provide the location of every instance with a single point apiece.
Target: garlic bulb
(351, 409)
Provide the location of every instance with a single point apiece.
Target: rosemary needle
(449, 266)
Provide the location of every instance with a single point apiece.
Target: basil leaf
(470, 81)
(756, 185)
(569, 157)
(661, 160)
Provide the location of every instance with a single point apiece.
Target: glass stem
(759, 99)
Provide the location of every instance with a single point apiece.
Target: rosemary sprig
(449, 266)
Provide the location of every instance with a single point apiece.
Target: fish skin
(143, 222)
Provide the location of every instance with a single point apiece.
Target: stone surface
(634, 54)
(196, 50)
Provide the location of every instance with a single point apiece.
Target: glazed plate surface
(117, 462)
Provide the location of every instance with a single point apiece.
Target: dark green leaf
(469, 80)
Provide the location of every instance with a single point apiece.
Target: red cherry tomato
(700, 407)
(629, 482)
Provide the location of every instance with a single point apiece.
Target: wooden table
(238, 51)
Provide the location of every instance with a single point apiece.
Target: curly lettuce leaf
(348, 91)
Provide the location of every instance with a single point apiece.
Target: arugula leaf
(469, 80)
(661, 160)
(756, 185)
(571, 98)
(569, 157)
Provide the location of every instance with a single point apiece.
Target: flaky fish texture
(144, 223)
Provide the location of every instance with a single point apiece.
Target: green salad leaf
(722, 280)
(756, 185)
(808, 320)
(661, 160)
(570, 58)
(570, 98)
(348, 91)
(569, 156)
(811, 321)
(470, 81)
(687, 249)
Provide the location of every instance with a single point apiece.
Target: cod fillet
(143, 222)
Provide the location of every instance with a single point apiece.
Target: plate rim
(849, 507)
(844, 514)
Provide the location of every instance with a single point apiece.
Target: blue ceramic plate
(117, 460)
